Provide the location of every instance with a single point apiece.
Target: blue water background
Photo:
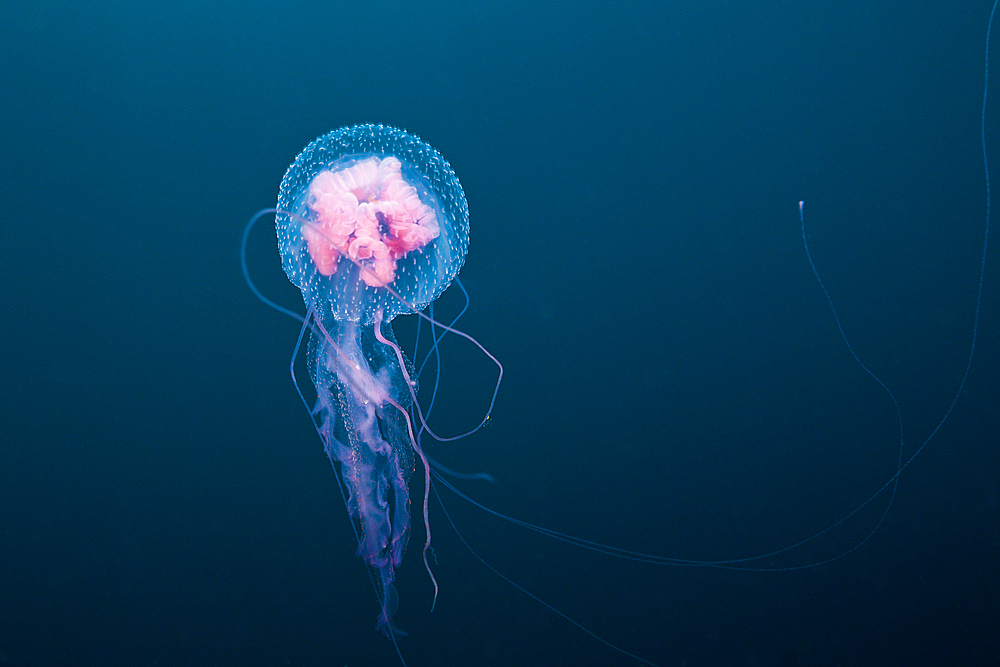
(674, 382)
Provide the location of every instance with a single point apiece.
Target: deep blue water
(675, 383)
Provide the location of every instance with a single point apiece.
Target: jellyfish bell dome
(368, 207)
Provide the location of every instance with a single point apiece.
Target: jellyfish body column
(362, 429)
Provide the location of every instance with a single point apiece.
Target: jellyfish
(371, 223)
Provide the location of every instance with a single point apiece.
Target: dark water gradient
(674, 382)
